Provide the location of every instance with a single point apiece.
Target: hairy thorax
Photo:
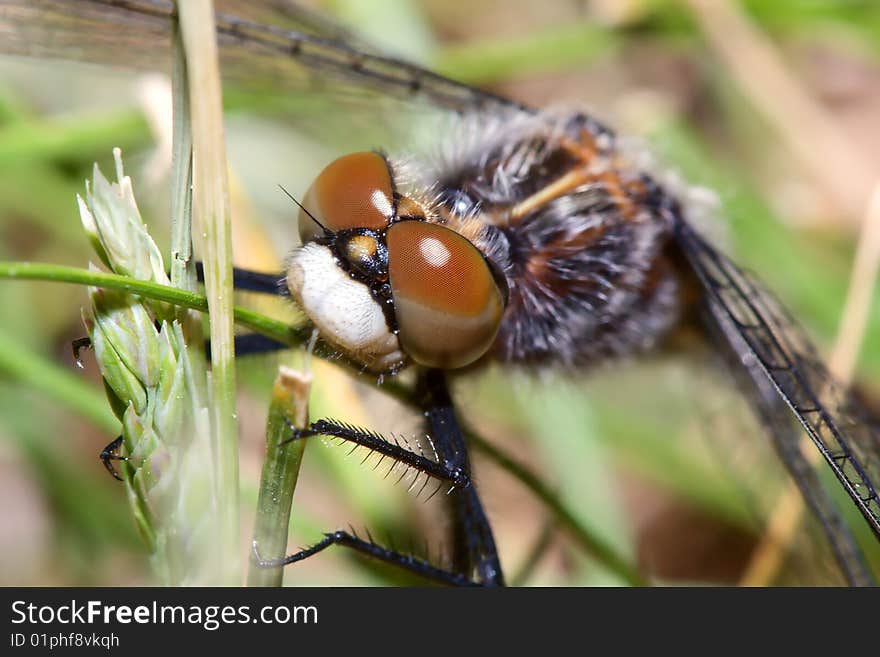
(575, 229)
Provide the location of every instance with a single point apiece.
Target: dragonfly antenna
(301, 207)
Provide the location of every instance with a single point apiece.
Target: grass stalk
(183, 271)
(211, 204)
(289, 406)
(272, 328)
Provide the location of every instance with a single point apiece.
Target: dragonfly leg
(111, 453)
(246, 280)
(405, 561)
(475, 551)
(251, 344)
(438, 468)
(474, 543)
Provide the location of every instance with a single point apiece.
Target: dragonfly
(535, 242)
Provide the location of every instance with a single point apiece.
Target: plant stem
(183, 271)
(211, 202)
(269, 327)
(289, 406)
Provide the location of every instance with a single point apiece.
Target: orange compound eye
(447, 304)
(353, 191)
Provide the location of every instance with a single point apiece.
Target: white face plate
(341, 308)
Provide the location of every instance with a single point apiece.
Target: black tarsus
(367, 547)
(77, 346)
(111, 453)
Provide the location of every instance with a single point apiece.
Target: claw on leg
(369, 548)
(77, 346)
(111, 453)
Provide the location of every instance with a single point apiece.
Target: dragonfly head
(381, 281)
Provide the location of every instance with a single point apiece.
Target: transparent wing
(311, 52)
(774, 415)
(277, 60)
(781, 360)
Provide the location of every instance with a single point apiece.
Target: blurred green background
(657, 457)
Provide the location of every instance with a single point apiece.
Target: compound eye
(353, 191)
(447, 304)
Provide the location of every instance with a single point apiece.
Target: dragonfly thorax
(577, 230)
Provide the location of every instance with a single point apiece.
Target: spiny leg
(405, 561)
(375, 442)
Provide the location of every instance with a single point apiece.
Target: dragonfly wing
(296, 50)
(779, 358)
(299, 69)
(785, 433)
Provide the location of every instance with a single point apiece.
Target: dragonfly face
(538, 242)
(383, 279)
